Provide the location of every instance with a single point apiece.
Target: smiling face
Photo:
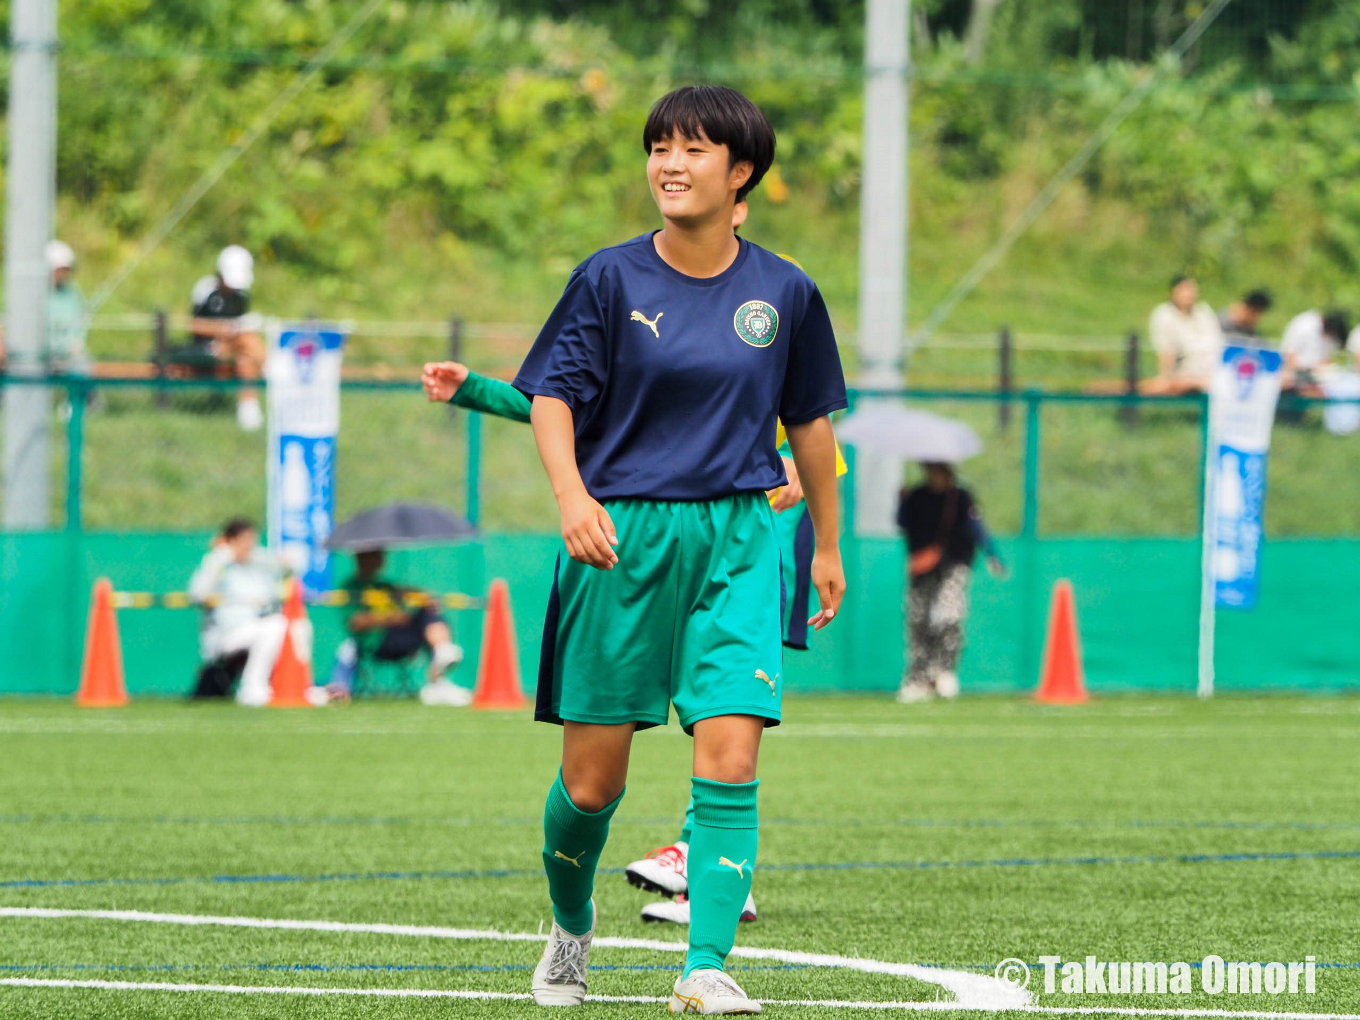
(692, 180)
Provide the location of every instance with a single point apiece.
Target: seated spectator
(1243, 318)
(1310, 342)
(396, 631)
(223, 324)
(239, 585)
(1185, 334)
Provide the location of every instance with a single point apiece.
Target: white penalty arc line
(433, 993)
(971, 991)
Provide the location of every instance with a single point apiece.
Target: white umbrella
(909, 434)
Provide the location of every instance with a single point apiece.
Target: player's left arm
(813, 446)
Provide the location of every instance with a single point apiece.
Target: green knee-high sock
(687, 830)
(572, 842)
(722, 856)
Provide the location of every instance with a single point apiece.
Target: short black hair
(237, 526)
(1259, 299)
(1336, 325)
(1179, 279)
(722, 115)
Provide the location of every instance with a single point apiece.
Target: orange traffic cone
(292, 677)
(498, 683)
(1061, 681)
(101, 674)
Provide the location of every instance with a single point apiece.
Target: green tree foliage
(453, 144)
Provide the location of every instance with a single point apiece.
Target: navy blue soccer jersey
(675, 382)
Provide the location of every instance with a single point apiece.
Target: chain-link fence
(172, 457)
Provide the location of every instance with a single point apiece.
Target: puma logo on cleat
(735, 867)
(575, 862)
(765, 678)
(649, 323)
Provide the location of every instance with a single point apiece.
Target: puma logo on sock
(735, 867)
(575, 862)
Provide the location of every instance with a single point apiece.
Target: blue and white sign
(303, 372)
(1242, 403)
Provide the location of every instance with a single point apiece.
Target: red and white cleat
(662, 871)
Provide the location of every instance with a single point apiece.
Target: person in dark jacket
(943, 528)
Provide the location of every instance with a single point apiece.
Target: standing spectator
(66, 320)
(1186, 336)
(943, 527)
(1311, 340)
(222, 321)
(393, 631)
(1243, 318)
(239, 585)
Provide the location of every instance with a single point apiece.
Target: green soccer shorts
(690, 616)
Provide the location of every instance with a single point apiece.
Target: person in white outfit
(1188, 340)
(240, 587)
(1309, 347)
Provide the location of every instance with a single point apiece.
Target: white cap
(59, 255)
(236, 267)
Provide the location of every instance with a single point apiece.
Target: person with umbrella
(392, 621)
(943, 528)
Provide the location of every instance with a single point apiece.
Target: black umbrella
(399, 524)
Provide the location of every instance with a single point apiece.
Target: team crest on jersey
(756, 322)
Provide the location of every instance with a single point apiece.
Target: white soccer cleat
(560, 977)
(676, 911)
(662, 871)
(947, 685)
(445, 692)
(711, 992)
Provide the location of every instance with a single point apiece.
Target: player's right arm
(452, 382)
(586, 528)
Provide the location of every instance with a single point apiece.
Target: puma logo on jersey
(649, 323)
(765, 678)
(735, 867)
(575, 862)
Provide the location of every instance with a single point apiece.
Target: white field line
(431, 993)
(979, 991)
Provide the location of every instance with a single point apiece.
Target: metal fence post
(474, 467)
(162, 355)
(1031, 598)
(456, 338)
(1029, 526)
(1005, 380)
(1129, 412)
(76, 392)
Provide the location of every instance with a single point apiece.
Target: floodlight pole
(882, 243)
(31, 184)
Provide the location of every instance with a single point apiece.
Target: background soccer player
(668, 593)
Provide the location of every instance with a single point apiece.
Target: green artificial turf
(960, 834)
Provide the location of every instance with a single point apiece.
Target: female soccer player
(656, 383)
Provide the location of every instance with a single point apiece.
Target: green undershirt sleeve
(491, 396)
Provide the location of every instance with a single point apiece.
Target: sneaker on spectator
(248, 414)
(446, 693)
(913, 692)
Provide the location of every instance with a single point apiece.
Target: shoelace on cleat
(718, 981)
(567, 963)
(671, 855)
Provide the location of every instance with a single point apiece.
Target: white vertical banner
(303, 372)
(1242, 398)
